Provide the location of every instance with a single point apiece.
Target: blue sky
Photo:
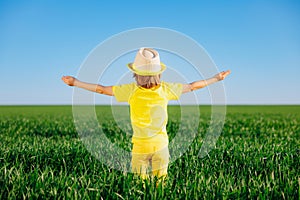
(258, 40)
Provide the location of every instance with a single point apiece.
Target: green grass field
(256, 157)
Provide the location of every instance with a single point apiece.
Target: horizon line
(260, 104)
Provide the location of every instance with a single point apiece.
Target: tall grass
(257, 156)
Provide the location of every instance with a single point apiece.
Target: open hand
(221, 76)
(69, 80)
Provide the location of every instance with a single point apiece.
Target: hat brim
(146, 73)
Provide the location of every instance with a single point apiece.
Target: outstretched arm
(71, 81)
(203, 83)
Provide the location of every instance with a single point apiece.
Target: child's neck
(150, 86)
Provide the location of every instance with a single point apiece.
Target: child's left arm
(203, 83)
(71, 81)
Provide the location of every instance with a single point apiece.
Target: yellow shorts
(150, 156)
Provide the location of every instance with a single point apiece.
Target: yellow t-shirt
(148, 107)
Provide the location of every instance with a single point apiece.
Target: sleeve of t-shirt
(174, 90)
(123, 92)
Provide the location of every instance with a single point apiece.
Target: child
(148, 99)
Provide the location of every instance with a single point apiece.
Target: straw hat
(147, 63)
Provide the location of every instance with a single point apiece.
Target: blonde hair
(147, 81)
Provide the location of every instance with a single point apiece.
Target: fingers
(225, 73)
(69, 80)
(66, 77)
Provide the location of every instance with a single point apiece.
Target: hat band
(148, 67)
(145, 71)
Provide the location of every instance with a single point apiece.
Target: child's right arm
(71, 81)
(203, 83)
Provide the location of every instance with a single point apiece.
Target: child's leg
(140, 161)
(140, 164)
(160, 161)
